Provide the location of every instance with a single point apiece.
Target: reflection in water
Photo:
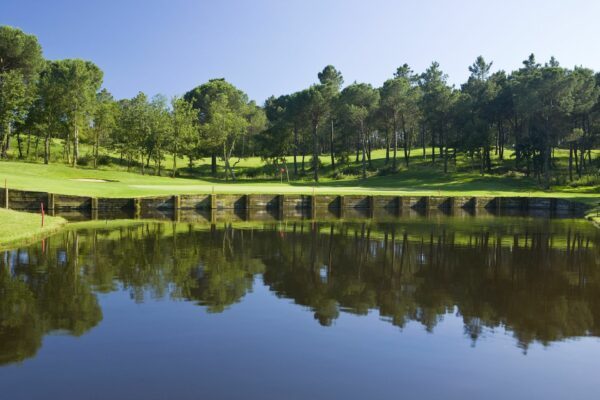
(539, 279)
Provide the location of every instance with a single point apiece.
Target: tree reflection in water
(538, 279)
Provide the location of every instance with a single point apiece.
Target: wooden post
(213, 201)
(137, 207)
(313, 206)
(399, 205)
(94, 208)
(176, 208)
(50, 202)
(247, 200)
(280, 205)
(427, 202)
(342, 206)
(371, 206)
(451, 203)
(5, 194)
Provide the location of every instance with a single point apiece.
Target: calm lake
(411, 307)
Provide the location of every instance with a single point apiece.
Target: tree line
(531, 111)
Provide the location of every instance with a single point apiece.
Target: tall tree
(436, 104)
(20, 62)
(104, 121)
(315, 101)
(476, 113)
(75, 85)
(333, 81)
(399, 103)
(185, 129)
(221, 110)
(358, 101)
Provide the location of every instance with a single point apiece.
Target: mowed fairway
(60, 178)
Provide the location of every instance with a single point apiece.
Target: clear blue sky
(276, 47)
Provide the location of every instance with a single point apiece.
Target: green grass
(59, 178)
(256, 177)
(20, 227)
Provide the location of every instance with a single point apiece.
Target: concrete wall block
(25, 200)
(195, 201)
(263, 201)
(235, 201)
(65, 202)
(158, 203)
(356, 201)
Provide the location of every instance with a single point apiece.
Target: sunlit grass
(20, 227)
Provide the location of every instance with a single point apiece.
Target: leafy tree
(333, 81)
(399, 102)
(160, 131)
(476, 115)
(314, 101)
(185, 129)
(436, 105)
(544, 99)
(104, 121)
(358, 101)
(20, 62)
(221, 110)
(74, 85)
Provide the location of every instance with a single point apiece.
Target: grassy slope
(420, 179)
(21, 227)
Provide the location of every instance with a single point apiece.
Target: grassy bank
(18, 228)
(420, 180)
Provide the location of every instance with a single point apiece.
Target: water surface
(415, 307)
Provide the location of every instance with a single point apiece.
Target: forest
(526, 116)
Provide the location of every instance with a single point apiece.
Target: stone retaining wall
(28, 200)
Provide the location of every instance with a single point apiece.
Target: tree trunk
(576, 158)
(19, 145)
(331, 147)
(315, 152)
(37, 143)
(570, 162)
(213, 165)
(547, 152)
(47, 149)
(445, 155)
(423, 143)
(174, 174)
(96, 139)
(395, 155)
(358, 145)
(4, 141)
(406, 143)
(159, 162)
(387, 146)
(75, 146)
(432, 148)
(295, 152)
(364, 149)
